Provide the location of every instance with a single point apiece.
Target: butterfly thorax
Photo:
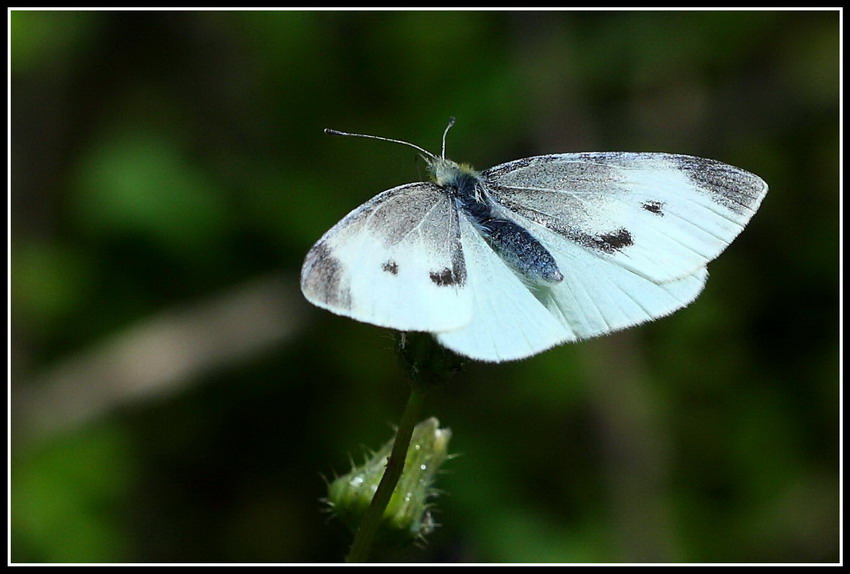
(463, 184)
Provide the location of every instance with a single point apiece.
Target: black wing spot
(654, 207)
(443, 278)
(608, 242)
(617, 240)
(390, 267)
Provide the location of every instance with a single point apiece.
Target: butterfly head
(446, 172)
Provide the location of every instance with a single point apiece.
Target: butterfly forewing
(395, 261)
(663, 216)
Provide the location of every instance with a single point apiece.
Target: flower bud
(407, 515)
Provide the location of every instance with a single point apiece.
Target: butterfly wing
(395, 261)
(663, 216)
(631, 233)
(507, 322)
(596, 297)
(513, 320)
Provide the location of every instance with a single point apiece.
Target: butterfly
(505, 263)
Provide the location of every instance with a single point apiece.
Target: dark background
(175, 399)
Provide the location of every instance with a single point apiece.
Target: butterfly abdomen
(520, 250)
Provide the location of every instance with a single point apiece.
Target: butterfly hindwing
(507, 322)
(597, 297)
(513, 319)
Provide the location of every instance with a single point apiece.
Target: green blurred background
(176, 400)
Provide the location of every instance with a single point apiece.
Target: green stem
(395, 464)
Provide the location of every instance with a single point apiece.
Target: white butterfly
(510, 261)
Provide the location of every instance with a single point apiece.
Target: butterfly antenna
(445, 132)
(414, 146)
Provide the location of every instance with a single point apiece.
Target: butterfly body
(514, 244)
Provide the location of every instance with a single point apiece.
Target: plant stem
(395, 464)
